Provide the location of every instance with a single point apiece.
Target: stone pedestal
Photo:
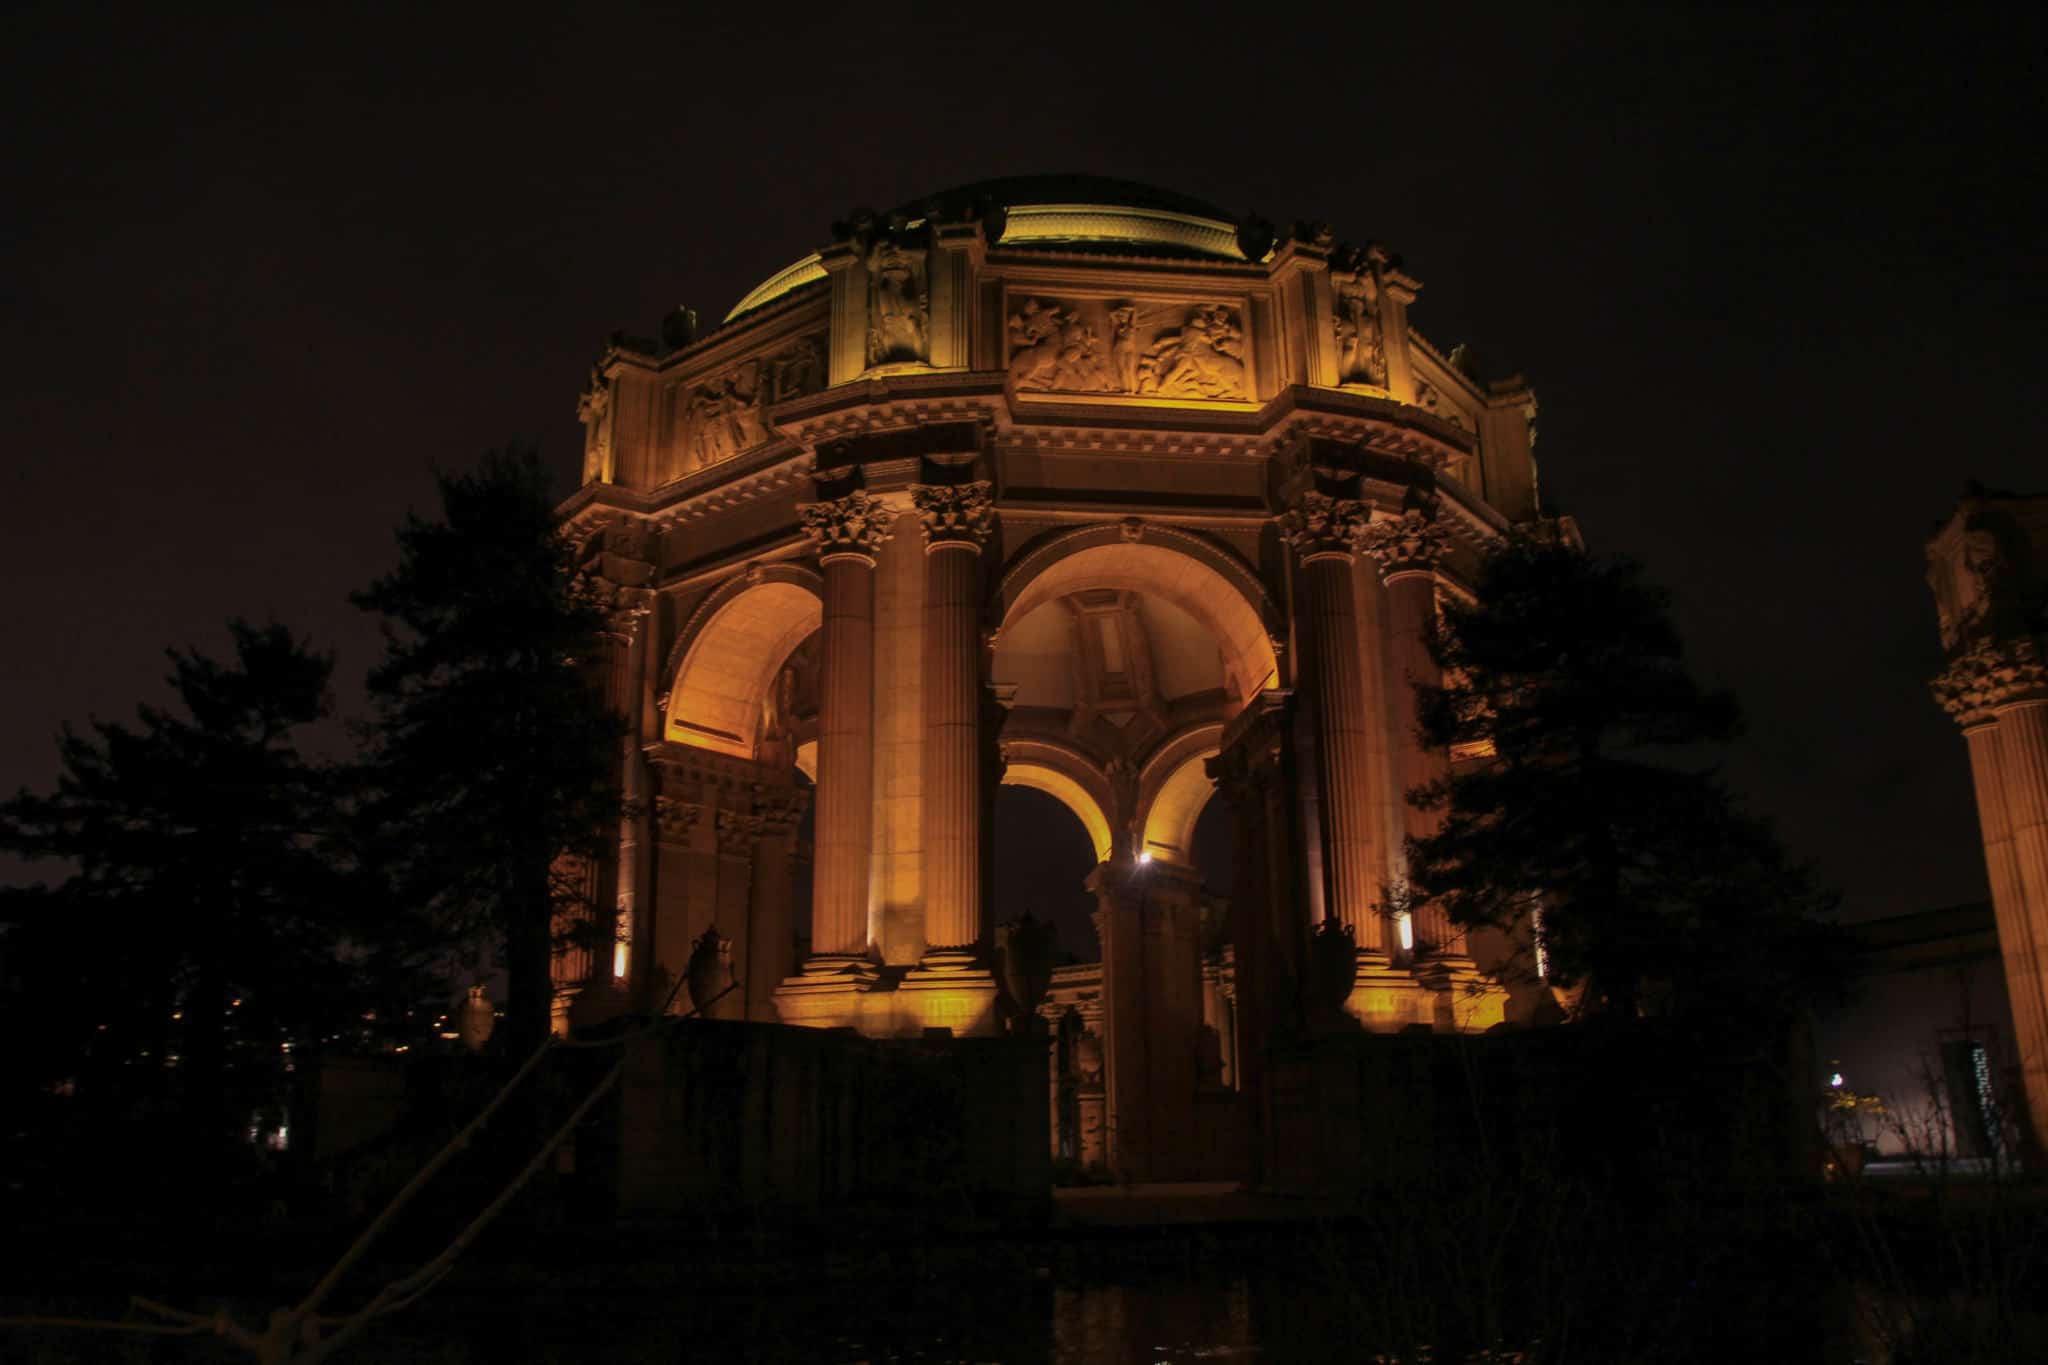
(1150, 921)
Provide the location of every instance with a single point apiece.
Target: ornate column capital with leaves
(853, 526)
(959, 515)
(1991, 675)
(1319, 526)
(1410, 542)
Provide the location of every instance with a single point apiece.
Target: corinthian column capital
(1319, 526)
(962, 514)
(1411, 542)
(1993, 674)
(856, 524)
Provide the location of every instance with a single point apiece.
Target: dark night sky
(1767, 273)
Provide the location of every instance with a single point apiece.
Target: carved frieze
(594, 410)
(1994, 674)
(1413, 541)
(955, 514)
(1319, 524)
(858, 523)
(727, 413)
(1123, 346)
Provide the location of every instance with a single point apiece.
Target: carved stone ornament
(1124, 347)
(593, 409)
(780, 809)
(857, 524)
(727, 413)
(738, 833)
(1994, 674)
(898, 261)
(624, 607)
(955, 514)
(1361, 342)
(1431, 399)
(1412, 542)
(1319, 524)
(674, 818)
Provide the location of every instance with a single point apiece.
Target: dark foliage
(204, 913)
(491, 765)
(1656, 890)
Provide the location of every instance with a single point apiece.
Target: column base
(1463, 998)
(1385, 998)
(828, 993)
(949, 989)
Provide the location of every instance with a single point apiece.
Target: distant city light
(1146, 856)
(1836, 1080)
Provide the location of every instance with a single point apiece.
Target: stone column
(1323, 531)
(958, 520)
(739, 835)
(1405, 549)
(1150, 927)
(770, 945)
(668, 940)
(847, 531)
(1998, 693)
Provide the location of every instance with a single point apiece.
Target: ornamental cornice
(955, 514)
(1319, 525)
(1386, 432)
(735, 493)
(681, 767)
(870, 407)
(1133, 441)
(1411, 541)
(1991, 675)
(857, 524)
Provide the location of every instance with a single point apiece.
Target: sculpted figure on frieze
(726, 414)
(1203, 359)
(594, 409)
(1361, 342)
(1089, 346)
(899, 293)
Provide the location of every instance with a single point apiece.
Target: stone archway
(728, 652)
(731, 792)
(1122, 652)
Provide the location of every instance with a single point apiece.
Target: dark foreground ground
(1165, 1274)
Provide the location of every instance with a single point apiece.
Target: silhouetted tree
(202, 887)
(491, 764)
(1600, 797)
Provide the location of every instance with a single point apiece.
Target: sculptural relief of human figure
(1361, 346)
(899, 303)
(1123, 345)
(594, 408)
(1204, 359)
(1034, 349)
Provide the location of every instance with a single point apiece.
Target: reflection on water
(1032, 1319)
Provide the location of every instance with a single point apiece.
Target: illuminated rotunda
(1067, 483)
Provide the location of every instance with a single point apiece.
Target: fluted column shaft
(1406, 547)
(1343, 747)
(844, 832)
(956, 519)
(1411, 611)
(2018, 749)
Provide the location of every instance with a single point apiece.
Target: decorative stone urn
(710, 971)
(1332, 969)
(1025, 947)
(474, 1019)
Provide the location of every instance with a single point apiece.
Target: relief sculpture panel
(1125, 346)
(726, 413)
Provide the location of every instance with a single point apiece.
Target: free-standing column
(1406, 549)
(1998, 693)
(958, 519)
(768, 950)
(848, 532)
(1323, 531)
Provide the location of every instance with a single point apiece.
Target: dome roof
(1071, 212)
